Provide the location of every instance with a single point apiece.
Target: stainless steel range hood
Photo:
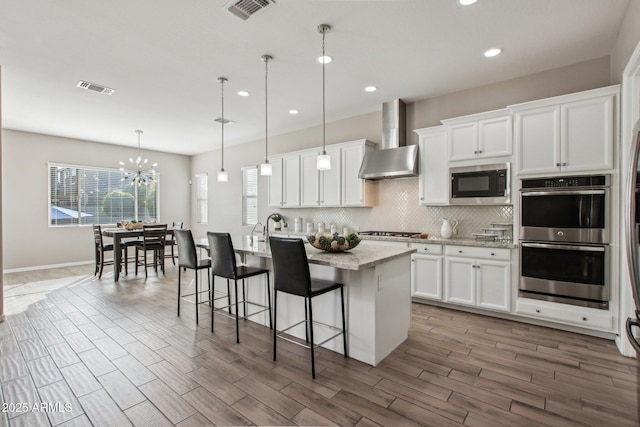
(395, 159)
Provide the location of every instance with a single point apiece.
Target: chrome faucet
(254, 229)
(284, 224)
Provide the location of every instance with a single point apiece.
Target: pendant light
(323, 162)
(266, 168)
(138, 171)
(222, 174)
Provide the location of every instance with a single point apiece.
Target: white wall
(28, 239)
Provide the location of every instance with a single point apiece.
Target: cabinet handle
(493, 254)
(584, 319)
(537, 310)
(558, 165)
(421, 198)
(563, 164)
(426, 249)
(459, 252)
(479, 151)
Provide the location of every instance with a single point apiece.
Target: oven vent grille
(245, 8)
(94, 87)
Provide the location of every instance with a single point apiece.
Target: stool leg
(213, 306)
(313, 356)
(209, 287)
(306, 322)
(275, 316)
(229, 296)
(196, 295)
(244, 301)
(237, 323)
(179, 279)
(344, 323)
(269, 302)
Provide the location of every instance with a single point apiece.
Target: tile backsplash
(398, 210)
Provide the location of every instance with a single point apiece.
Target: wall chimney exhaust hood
(395, 159)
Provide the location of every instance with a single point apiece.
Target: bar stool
(188, 258)
(170, 241)
(291, 275)
(100, 249)
(223, 264)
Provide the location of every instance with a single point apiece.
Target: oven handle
(564, 247)
(562, 193)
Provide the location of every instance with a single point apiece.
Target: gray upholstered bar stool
(291, 275)
(223, 264)
(188, 258)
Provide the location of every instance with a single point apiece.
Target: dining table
(119, 235)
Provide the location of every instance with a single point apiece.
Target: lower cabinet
(591, 318)
(426, 271)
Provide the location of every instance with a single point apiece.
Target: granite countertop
(355, 259)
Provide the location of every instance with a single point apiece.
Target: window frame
(244, 218)
(79, 168)
(204, 200)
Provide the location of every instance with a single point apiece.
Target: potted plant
(276, 220)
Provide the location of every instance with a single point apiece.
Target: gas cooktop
(388, 233)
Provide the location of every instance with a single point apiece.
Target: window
(249, 195)
(87, 195)
(202, 198)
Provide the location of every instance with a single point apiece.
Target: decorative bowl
(333, 242)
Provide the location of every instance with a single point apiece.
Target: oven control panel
(567, 182)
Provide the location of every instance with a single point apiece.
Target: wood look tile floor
(101, 353)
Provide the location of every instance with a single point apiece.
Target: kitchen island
(377, 296)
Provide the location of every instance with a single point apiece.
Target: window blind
(249, 196)
(202, 198)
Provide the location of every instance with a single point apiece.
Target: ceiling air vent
(245, 8)
(94, 87)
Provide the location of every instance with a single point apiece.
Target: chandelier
(138, 171)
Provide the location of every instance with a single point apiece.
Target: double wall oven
(564, 240)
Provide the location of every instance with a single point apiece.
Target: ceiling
(163, 58)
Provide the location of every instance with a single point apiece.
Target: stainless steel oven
(564, 234)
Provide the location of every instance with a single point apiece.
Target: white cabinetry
(319, 188)
(479, 136)
(296, 182)
(478, 277)
(571, 133)
(434, 172)
(355, 191)
(426, 271)
(284, 183)
(591, 318)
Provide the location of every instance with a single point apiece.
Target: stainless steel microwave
(480, 185)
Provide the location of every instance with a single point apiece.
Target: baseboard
(45, 267)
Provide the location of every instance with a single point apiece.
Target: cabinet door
(587, 135)
(309, 180)
(495, 137)
(275, 182)
(434, 172)
(426, 276)
(291, 181)
(460, 281)
(330, 180)
(538, 140)
(492, 284)
(463, 141)
(352, 186)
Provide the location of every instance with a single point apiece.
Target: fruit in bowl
(333, 242)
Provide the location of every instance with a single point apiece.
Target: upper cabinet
(296, 182)
(571, 133)
(479, 136)
(434, 171)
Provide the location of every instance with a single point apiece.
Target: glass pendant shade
(323, 162)
(266, 168)
(223, 176)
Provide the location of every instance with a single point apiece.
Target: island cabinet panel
(570, 133)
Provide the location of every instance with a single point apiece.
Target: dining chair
(171, 241)
(100, 249)
(153, 239)
(188, 259)
(223, 264)
(291, 276)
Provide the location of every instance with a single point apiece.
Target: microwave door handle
(562, 193)
(564, 247)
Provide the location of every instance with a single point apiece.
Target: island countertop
(355, 259)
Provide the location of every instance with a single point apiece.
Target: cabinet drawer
(426, 248)
(580, 316)
(479, 252)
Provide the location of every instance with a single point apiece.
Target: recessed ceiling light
(243, 93)
(293, 112)
(370, 89)
(325, 59)
(467, 2)
(493, 52)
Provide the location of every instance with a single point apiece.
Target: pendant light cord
(222, 123)
(266, 110)
(324, 124)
